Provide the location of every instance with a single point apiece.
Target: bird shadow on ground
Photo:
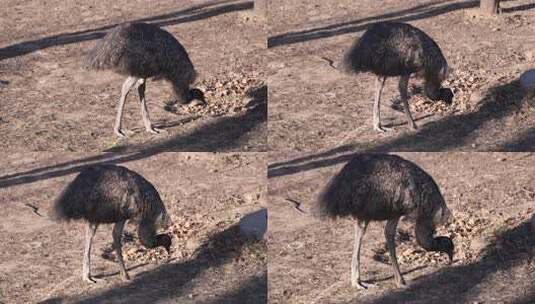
(167, 124)
(390, 277)
(190, 14)
(519, 8)
(524, 142)
(510, 248)
(115, 273)
(528, 299)
(243, 293)
(451, 132)
(217, 136)
(404, 123)
(418, 12)
(414, 13)
(223, 134)
(172, 280)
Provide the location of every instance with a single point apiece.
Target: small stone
(407, 252)
(330, 94)
(476, 97)
(192, 244)
(251, 197)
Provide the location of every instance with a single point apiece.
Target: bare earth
(315, 107)
(206, 195)
(50, 104)
(56, 119)
(491, 197)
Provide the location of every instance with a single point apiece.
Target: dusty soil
(50, 104)
(206, 195)
(315, 107)
(491, 196)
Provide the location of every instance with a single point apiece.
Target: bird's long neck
(147, 234)
(181, 93)
(181, 85)
(432, 89)
(424, 234)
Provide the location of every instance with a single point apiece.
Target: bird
(140, 51)
(384, 187)
(392, 49)
(111, 194)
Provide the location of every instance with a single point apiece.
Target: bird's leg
(127, 85)
(390, 235)
(117, 236)
(141, 84)
(360, 229)
(86, 270)
(379, 84)
(403, 92)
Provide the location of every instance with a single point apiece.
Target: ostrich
(390, 49)
(141, 51)
(106, 194)
(375, 187)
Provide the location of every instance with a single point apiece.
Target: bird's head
(436, 93)
(446, 95)
(444, 244)
(164, 240)
(196, 95)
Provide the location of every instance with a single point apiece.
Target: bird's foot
(381, 129)
(400, 283)
(198, 103)
(361, 285)
(90, 279)
(121, 133)
(154, 130)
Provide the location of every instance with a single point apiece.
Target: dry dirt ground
(50, 104)
(206, 195)
(315, 107)
(491, 196)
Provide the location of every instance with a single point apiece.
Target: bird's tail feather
(67, 205)
(104, 55)
(61, 211)
(334, 201)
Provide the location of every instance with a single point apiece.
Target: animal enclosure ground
(50, 104)
(491, 196)
(314, 107)
(205, 194)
